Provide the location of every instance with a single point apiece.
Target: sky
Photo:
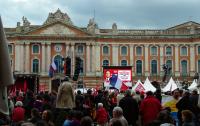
(127, 14)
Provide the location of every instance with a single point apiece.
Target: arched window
(184, 67)
(10, 49)
(138, 51)
(198, 50)
(169, 51)
(139, 67)
(169, 64)
(198, 66)
(58, 62)
(105, 63)
(154, 67)
(35, 66)
(184, 51)
(35, 49)
(80, 49)
(124, 63)
(123, 50)
(154, 51)
(105, 50)
(81, 67)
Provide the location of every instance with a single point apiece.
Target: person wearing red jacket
(101, 115)
(149, 108)
(18, 112)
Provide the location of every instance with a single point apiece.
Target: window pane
(153, 51)
(154, 67)
(184, 51)
(80, 49)
(124, 50)
(81, 67)
(105, 50)
(184, 67)
(139, 67)
(199, 50)
(169, 51)
(169, 64)
(35, 66)
(35, 49)
(198, 66)
(10, 49)
(58, 62)
(105, 63)
(123, 63)
(138, 51)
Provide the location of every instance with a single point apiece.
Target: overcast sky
(127, 14)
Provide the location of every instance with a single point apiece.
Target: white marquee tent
(148, 86)
(171, 86)
(193, 86)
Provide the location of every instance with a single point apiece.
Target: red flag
(25, 86)
(140, 88)
(124, 87)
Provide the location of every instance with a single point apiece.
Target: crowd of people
(102, 108)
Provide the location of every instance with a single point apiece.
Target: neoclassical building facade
(33, 47)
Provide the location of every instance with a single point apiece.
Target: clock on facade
(58, 48)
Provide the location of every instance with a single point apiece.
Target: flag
(115, 81)
(140, 88)
(124, 87)
(25, 86)
(52, 69)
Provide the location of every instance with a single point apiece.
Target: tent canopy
(148, 86)
(171, 86)
(193, 86)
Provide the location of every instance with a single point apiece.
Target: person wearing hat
(18, 112)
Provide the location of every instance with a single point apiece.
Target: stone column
(43, 58)
(98, 60)
(192, 60)
(132, 59)
(22, 61)
(67, 49)
(94, 57)
(87, 58)
(17, 57)
(27, 58)
(146, 60)
(48, 54)
(161, 59)
(72, 58)
(177, 70)
(115, 55)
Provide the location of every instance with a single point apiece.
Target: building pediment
(58, 28)
(186, 25)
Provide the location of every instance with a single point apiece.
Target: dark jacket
(130, 109)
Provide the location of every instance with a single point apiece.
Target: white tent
(139, 86)
(193, 85)
(171, 86)
(148, 86)
(178, 84)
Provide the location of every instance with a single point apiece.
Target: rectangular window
(138, 51)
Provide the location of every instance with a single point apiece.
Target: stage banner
(115, 77)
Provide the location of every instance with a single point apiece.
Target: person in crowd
(158, 95)
(47, 116)
(130, 108)
(86, 121)
(149, 108)
(76, 118)
(120, 96)
(98, 98)
(171, 103)
(35, 116)
(187, 117)
(136, 96)
(18, 113)
(79, 99)
(38, 103)
(28, 103)
(118, 115)
(112, 101)
(101, 115)
(183, 104)
(116, 122)
(65, 97)
(68, 119)
(164, 118)
(106, 101)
